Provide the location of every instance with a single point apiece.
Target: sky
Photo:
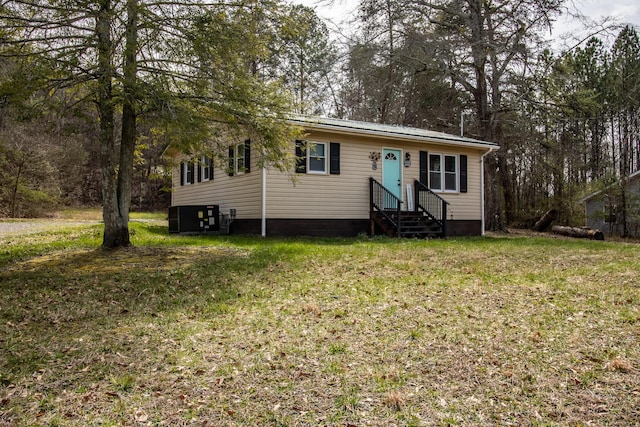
(598, 11)
(626, 11)
(337, 12)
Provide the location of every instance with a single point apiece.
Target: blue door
(392, 173)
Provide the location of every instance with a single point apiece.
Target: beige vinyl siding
(343, 196)
(465, 206)
(325, 196)
(346, 196)
(241, 192)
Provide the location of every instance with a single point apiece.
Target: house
(351, 177)
(603, 209)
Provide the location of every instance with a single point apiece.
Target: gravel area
(13, 227)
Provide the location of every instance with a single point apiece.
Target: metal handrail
(384, 201)
(432, 205)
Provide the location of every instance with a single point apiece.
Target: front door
(392, 172)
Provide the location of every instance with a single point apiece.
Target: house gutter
(442, 139)
(482, 186)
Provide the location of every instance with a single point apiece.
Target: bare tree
(188, 58)
(484, 48)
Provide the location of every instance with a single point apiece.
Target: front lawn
(236, 331)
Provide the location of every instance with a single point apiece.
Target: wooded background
(566, 120)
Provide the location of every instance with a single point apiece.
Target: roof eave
(597, 193)
(398, 136)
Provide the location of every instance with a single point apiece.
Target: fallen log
(546, 220)
(578, 232)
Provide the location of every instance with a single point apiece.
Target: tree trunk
(113, 229)
(479, 50)
(582, 233)
(546, 220)
(492, 201)
(116, 212)
(16, 186)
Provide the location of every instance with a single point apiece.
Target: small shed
(604, 208)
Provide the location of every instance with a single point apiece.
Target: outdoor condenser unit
(194, 219)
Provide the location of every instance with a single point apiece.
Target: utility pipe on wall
(264, 202)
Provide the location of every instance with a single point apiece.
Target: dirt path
(31, 226)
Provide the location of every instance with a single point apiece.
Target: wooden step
(410, 224)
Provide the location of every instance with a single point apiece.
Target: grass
(95, 214)
(285, 332)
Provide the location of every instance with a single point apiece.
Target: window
(443, 172)
(199, 170)
(187, 172)
(450, 173)
(206, 169)
(435, 172)
(317, 157)
(240, 158)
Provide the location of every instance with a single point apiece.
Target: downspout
(264, 201)
(482, 187)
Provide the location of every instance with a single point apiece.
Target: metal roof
(595, 193)
(391, 131)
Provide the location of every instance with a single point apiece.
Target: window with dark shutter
(424, 168)
(317, 157)
(240, 158)
(463, 173)
(190, 172)
(205, 169)
(181, 173)
(334, 158)
(247, 156)
(301, 157)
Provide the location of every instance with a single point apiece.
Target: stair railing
(431, 205)
(384, 201)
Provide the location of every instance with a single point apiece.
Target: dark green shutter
(181, 173)
(334, 158)
(199, 166)
(210, 165)
(247, 156)
(463, 173)
(231, 162)
(301, 157)
(192, 169)
(424, 168)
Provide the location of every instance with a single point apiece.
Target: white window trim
(187, 168)
(204, 169)
(443, 172)
(237, 158)
(326, 157)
